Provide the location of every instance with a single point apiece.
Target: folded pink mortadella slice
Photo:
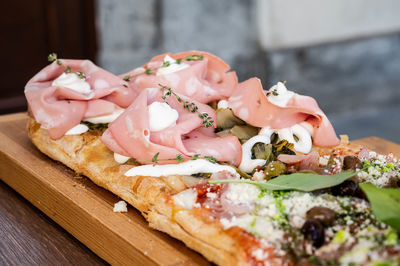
(250, 103)
(204, 80)
(59, 109)
(130, 133)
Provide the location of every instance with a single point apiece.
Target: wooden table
(30, 237)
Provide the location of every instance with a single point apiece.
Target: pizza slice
(239, 174)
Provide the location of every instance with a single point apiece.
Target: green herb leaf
(165, 64)
(127, 78)
(155, 158)
(68, 69)
(211, 159)
(385, 204)
(298, 181)
(52, 57)
(179, 61)
(81, 75)
(179, 158)
(195, 157)
(194, 57)
(148, 71)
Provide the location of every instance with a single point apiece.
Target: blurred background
(346, 54)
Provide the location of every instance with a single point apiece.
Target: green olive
(275, 168)
(226, 119)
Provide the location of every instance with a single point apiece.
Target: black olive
(359, 193)
(325, 215)
(314, 231)
(347, 188)
(351, 162)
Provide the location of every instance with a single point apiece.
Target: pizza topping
(250, 103)
(204, 77)
(186, 198)
(279, 94)
(190, 167)
(73, 82)
(59, 105)
(314, 231)
(121, 159)
(77, 130)
(161, 116)
(223, 104)
(170, 66)
(351, 162)
(325, 215)
(105, 119)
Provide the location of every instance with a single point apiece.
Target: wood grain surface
(82, 209)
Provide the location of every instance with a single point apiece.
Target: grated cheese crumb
(120, 206)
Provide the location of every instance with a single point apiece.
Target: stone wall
(349, 77)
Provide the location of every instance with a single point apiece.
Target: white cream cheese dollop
(161, 116)
(73, 82)
(279, 94)
(223, 104)
(77, 130)
(190, 167)
(121, 159)
(171, 68)
(104, 119)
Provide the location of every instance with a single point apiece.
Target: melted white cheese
(121, 159)
(161, 116)
(279, 94)
(171, 68)
(187, 168)
(186, 198)
(104, 119)
(73, 82)
(77, 130)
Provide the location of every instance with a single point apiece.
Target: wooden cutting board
(86, 210)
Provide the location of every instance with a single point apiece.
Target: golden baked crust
(87, 155)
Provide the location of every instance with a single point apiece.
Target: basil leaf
(385, 204)
(298, 181)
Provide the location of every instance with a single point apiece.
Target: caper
(226, 119)
(351, 162)
(314, 231)
(325, 215)
(275, 168)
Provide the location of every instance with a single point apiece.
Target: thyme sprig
(128, 77)
(179, 158)
(53, 57)
(192, 57)
(190, 106)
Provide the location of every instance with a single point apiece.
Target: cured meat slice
(250, 103)
(58, 108)
(203, 80)
(131, 132)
